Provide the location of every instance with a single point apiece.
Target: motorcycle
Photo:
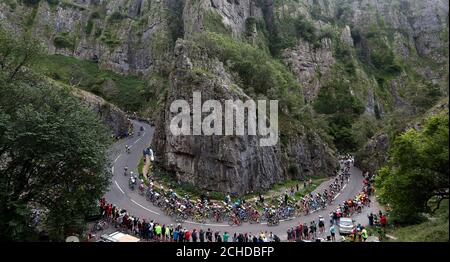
(132, 182)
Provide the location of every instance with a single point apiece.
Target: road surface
(123, 197)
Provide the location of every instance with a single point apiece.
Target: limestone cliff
(126, 36)
(235, 164)
(110, 114)
(357, 65)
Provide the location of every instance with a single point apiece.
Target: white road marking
(137, 141)
(336, 195)
(144, 207)
(196, 223)
(210, 225)
(119, 187)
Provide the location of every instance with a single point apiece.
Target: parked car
(346, 225)
(118, 237)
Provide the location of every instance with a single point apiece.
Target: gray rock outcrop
(310, 65)
(236, 164)
(110, 114)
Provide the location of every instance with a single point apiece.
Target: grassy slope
(120, 90)
(435, 229)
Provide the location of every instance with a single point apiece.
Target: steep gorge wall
(341, 44)
(125, 36)
(111, 115)
(235, 164)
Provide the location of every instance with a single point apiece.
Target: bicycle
(254, 218)
(199, 218)
(234, 220)
(217, 216)
(273, 221)
(180, 216)
(141, 189)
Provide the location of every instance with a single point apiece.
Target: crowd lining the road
(240, 211)
(151, 230)
(316, 230)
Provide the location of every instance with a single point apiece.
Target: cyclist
(234, 219)
(141, 188)
(228, 199)
(255, 215)
(125, 170)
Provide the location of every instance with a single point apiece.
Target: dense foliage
(15, 53)
(418, 170)
(342, 108)
(121, 90)
(259, 73)
(52, 151)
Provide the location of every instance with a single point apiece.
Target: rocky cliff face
(392, 56)
(110, 114)
(374, 154)
(126, 36)
(232, 14)
(416, 31)
(310, 65)
(235, 164)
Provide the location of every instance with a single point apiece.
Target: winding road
(123, 197)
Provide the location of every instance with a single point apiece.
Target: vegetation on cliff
(417, 171)
(52, 150)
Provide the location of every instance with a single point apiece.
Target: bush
(53, 2)
(31, 2)
(89, 26)
(327, 33)
(288, 30)
(95, 15)
(116, 17)
(213, 23)
(336, 101)
(63, 41)
(250, 24)
(110, 38)
(12, 4)
(305, 29)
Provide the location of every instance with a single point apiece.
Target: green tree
(52, 153)
(16, 52)
(418, 170)
(342, 109)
